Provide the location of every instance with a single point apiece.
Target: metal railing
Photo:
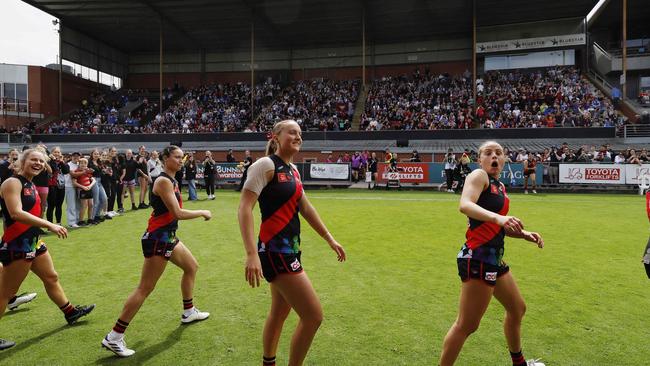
(19, 108)
(636, 130)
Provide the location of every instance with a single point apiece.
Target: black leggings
(116, 193)
(54, 203)
(209, 184)
(449, 174)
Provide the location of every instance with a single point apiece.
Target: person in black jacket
(190, 177)
(248, 160)
(56, 186)
(209, 167)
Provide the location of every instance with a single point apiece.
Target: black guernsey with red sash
(161, 219)
(484, 240)
(160, 237)
(19, 237)
(280, 229)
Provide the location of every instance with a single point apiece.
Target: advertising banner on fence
(225, 172)
(634, 173)
(329, 171)
(592, 173)
(408, 172)
(435, 173)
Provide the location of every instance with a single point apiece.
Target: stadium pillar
(60, 71)
(474, 54)
(160, 71)
(623, 78)
(363, 47)
(252, 69)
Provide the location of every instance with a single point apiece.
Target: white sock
(115, 336)
(188, 311)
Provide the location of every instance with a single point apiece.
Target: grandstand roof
(133, 26)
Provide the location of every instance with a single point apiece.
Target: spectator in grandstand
(159, 245)
(450, 165)
(530, 168)
(143, 175)
(274, 182)
(633, 159)
(56, 185)
(22, 249)
(643, 156)
(84, 182)
(209, 171)
(129, 176)
(620, 158)
(603, 155)
(480, 260)
(248, 160)
(190, 176)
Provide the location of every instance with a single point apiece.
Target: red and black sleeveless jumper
(21, 241)
(160, 236)
(280, 229)
(278, 245)
(482, 254)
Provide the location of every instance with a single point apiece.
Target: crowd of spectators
(213, 108)
(317, 105)
(551, 97)
(418, 101)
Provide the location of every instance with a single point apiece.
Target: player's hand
(338, 249)
(59, 230)
(534, 238)
(253, 270)
(206, 214)
(510, 223)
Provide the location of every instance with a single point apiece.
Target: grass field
(390, 304)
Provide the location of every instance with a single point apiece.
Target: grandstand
(380, 66)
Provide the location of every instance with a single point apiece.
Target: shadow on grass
(30, 342)
(143, 355)
(17, 311)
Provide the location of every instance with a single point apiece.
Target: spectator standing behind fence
(450, 165)
(371, 167)
(530, 167)
(56, 186)
(633, 159)
(248, 160)
(99, 194)
(555, 158)
(71, 197)
(209, 166)
(230, 158)
(355, 165)
(190, 176)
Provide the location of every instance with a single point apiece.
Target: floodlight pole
(624, 83)
(363, 47)
(60, 71)
(252, 68)
(160, 67)
(474, 106)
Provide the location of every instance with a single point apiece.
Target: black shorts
(528, 172)
(274, 263)
(84, 195)
(159, 244)
(8, 256)
(472, 268)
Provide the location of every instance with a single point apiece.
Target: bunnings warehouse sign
(531, 43)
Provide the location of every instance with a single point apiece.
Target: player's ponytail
(272, 144)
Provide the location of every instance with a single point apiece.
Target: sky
(27, 36)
